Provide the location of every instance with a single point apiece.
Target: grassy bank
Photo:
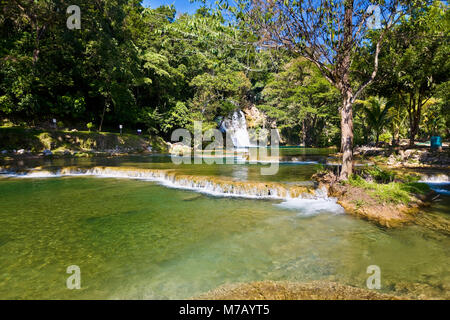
(379, 195)
(59, 141)
(387, 186)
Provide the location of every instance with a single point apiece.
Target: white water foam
(438, 178)
(213, 191)
(32, 175)
(311, 207)
(206, 187)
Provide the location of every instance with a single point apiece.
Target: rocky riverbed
(284, 290)
(404, 157)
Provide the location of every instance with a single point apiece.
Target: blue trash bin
(436, 142)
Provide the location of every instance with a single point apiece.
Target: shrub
(386, 137)
(46, 140)
(90, 125)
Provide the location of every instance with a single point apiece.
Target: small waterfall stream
(170, 178)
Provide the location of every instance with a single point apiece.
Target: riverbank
(378, 195)
(17, 142)
(405, 157)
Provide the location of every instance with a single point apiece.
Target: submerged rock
(284, 290)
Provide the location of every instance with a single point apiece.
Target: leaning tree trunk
(347, 137)
(103, 116)
(101, 119)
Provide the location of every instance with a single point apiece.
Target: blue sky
(182, 6)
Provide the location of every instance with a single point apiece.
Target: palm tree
(398, 118)
(376, 111)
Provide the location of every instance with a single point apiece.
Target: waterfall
(236, 126)
(170, 178)
(435, 178)
(295, 196)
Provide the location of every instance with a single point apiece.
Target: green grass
(393, 192)
(380, 175)
(37, 140)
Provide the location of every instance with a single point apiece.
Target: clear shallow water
(138, 240)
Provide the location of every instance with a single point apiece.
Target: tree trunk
(365, 132)
(414, 125)
(307, 136)
(396, 135)
(101, 120)
(414, 112)
(347, 137)
(412, 136)
(347, 95)
(304, 132)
